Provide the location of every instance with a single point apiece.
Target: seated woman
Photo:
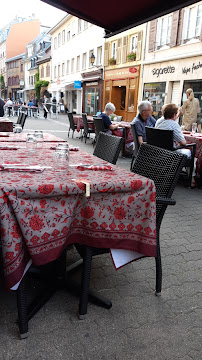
(170, 114)
(109, 109)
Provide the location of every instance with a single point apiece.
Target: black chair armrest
(185, 146)
(165, 201)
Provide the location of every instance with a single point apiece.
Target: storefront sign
(165, 70)
(77, 84)
(194, 67)
(92, 83)
(122, 73)
(133, 70)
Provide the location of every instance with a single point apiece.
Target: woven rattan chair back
(19, 118)
(99, 125)
(71, 121)
(159, 137)
(135, 146)
(23, 119)
(85, 124)
(108, 147)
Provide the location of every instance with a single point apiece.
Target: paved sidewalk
(139, 326)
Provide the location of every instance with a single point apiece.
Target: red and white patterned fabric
(95, 167)
(21, 137)
(41, 213)
(194, 138)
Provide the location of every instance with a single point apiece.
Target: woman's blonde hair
(190, 94)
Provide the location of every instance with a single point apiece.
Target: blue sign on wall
(77, 84)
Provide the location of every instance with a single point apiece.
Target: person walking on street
(189, 110)
(44, 106)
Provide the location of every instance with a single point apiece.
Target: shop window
(99, 55)
(91, 100)
(78, 63)
(163, 33)
(114, 49)
(84, 61)
(74, 101)
(131, 98)
(197, 89)
(192, 23)
(155, 93)
(68, 66)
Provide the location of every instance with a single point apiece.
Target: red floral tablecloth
(41, 213)
(18, 137)
(79, 122)
(194, 138)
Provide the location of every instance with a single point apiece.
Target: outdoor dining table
(79, 122)
(194, 138)
(21, 137)
(42, 212)
(6, 125)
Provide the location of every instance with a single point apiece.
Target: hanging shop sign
(77, 84)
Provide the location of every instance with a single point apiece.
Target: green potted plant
(112, 61)
(131, 56)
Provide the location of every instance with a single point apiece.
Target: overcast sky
(48, 15)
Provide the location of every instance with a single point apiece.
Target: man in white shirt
(9, 105)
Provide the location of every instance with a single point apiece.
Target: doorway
(118, 98)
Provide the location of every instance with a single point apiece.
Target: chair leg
(22, 310)
(87, 260)
(158, 268)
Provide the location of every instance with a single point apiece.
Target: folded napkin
(95, 167)
(8, 148)
(21, 167)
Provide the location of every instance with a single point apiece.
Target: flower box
(112, 61)
(131, 56)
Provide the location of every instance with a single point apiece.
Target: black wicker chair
(108, 147)
(18, 122)
(87, 131)
(99, 126)
(23, 119)
(72, 125)
(136, 145)
(164, 139)
(163, 167)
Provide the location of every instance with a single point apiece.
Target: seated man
(143, 119)
(170, 113)
(109, 109)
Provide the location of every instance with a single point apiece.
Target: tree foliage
(38, 85)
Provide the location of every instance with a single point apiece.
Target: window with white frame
(59, 39)
(192, 22)
(133, 43)
(58, 70)
(63, 69)
(55, 43)
(85, 25)
(99, 55)
(79, 25)
(114, 49)
(68, 34)
(72, 66)
(68, 66)
(163, 31)
(78, 63)
(55, 74)
(74, 28)
(84, 61)
(90, 53)
(63, 36)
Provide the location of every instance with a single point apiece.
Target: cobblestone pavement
(139, 326)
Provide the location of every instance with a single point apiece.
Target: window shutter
(106, 54)
(118, 57)
(184, 27)
(175, 22)
(152, 35)
(180, 26)
(125, 45)
(139, 46)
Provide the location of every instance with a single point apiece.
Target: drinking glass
(18, 128)
(194, 128)
(39, 138)
(63, 145)
(61, 160)
(31, 142)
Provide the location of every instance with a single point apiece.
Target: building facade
(123, 56)
(75, 78)
(173, 58)
(15, 76)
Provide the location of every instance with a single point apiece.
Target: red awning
(116, 16)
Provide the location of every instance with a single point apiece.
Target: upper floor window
(68, 66)
(63, 36)
(72, 66)
(21, 67)
(90, 53)
(74, 28)
(84, 61)
(47, 70)
(68, 34)
(55, 43)
(78, 63)
(63, 69)
(99, 55)
(42, 71)
(79, 25)
(114, 49)
(192, 22)
(133, 43)
(163, 31)
(58, 70)
(59, 39)
(85, 25)
(54, 71)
